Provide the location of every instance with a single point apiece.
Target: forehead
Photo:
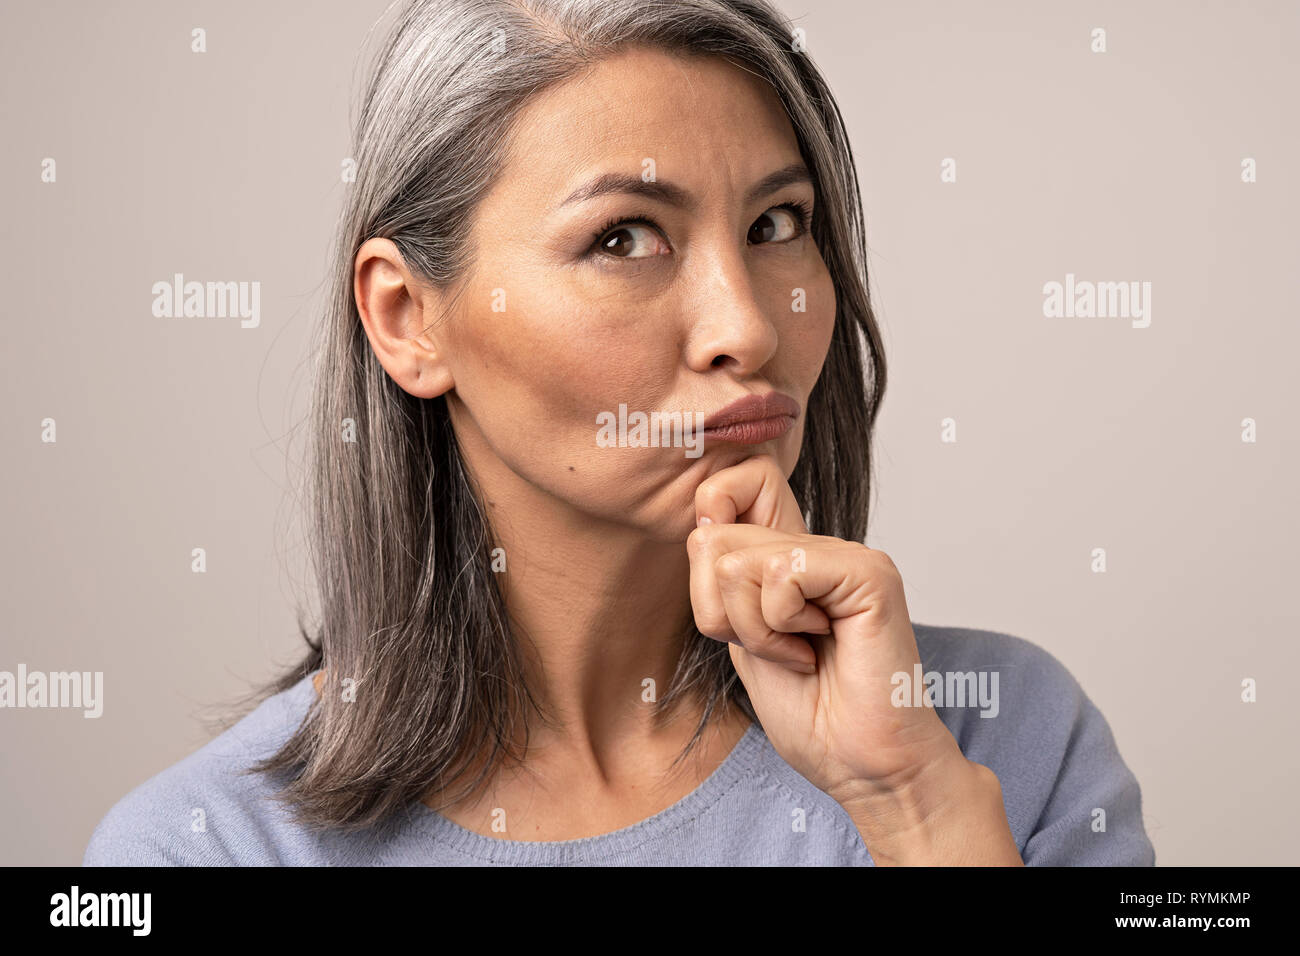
(706, 124)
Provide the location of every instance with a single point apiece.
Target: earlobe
(431, 379)
(394, 308)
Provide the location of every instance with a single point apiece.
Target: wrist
(949, 814)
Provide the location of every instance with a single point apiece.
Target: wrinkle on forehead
(587, 121)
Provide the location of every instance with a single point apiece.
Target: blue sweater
(1069, 797)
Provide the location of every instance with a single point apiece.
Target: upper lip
(753, 408)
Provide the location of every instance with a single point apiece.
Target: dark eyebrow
(675, 195)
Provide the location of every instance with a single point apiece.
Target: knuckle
(730, 565)
(872, 557)
(881, 567)
(887, 565)
(707, 493)
(698, 541)
(712, 625)
(775, 566)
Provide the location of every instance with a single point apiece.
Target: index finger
(752, 492)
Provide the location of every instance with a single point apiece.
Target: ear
(397, 311)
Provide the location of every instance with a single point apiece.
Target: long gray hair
(411, 610)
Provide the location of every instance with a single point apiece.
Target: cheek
(807, 335)
(536, 375)
(805, 340)
(535, 378)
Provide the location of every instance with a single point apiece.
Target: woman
(592, 453)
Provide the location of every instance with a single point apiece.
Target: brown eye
(630, 241)
(776, 225)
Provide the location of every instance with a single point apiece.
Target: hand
(818, 628)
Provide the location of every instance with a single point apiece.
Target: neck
(597, 607)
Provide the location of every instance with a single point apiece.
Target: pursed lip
(753, 408)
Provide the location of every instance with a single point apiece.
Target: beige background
(1072, 433)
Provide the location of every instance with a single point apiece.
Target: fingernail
(704, 519)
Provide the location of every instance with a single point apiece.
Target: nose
(727, 326)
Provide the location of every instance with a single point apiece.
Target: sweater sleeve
(159, 823)
(207, 809)
(202, 811)
(1092, 816)
(122, 838)
(1070, 798)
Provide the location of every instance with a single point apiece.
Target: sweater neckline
(734, 766)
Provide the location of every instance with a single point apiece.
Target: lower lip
(751, 433)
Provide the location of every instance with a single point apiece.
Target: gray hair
(401, 545)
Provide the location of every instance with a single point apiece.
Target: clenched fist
(818, 628)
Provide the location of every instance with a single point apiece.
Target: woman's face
(711, 290)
